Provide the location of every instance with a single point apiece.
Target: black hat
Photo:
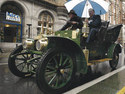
(72, 12)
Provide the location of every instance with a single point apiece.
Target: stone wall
(31, 11)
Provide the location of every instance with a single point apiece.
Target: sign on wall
(12, 17)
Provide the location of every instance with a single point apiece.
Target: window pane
(46, 23)
(49, 25)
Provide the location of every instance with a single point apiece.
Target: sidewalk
(113, 85)
(110, 83)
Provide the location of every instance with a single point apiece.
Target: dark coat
(73, 26)
(95, 22)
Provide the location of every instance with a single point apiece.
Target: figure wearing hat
(75, 21)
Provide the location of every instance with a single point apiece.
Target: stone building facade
(116, 15)
(123, 21)
(43, 16)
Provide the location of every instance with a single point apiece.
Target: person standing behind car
(75, 21)
(94, 24)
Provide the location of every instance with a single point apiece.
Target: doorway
(10, 34)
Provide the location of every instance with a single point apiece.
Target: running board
(93, 62)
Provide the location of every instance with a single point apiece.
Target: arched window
(45, 25)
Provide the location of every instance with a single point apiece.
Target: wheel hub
(62, 71)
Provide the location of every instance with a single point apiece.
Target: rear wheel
(114, 62)
(55, 71)
(19, 65)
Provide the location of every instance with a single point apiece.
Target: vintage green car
(56, 59)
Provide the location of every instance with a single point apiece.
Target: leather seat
(102, 31)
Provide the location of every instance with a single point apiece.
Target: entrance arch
(11, 22)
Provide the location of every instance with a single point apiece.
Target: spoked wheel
(19, 63)
(55, 72)
(114, 62)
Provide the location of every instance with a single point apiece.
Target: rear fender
(112, 48)
(71, 47)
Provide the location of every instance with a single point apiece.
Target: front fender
(71, 47)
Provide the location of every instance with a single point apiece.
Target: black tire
(61, 74)
(18, 65)
(114, 62)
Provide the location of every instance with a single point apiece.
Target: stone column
(62, 18)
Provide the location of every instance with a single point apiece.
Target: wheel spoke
(23, 66)
(57, 65)
(19, 64)
(57, 81)
(68, 66)
(49, 73)
(52, 79)
(27, 56)
(50, 68)
(24, 56)
(60, 62)
(19, 58)
(28, 68)
(65, 61)
(32, 68)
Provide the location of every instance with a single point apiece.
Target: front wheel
(56, 71)
(114, 62)
(18, 63)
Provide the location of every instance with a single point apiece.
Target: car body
(56, 59)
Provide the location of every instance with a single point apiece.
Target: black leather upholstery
(102, 31)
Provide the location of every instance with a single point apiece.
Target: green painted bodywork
(68, 34)
(35, 52)
(112, 48)
(64, 40)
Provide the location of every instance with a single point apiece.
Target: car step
(93, 62)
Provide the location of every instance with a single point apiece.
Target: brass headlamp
(40, 44)
(28, 43)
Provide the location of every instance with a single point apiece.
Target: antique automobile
(56, 59)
